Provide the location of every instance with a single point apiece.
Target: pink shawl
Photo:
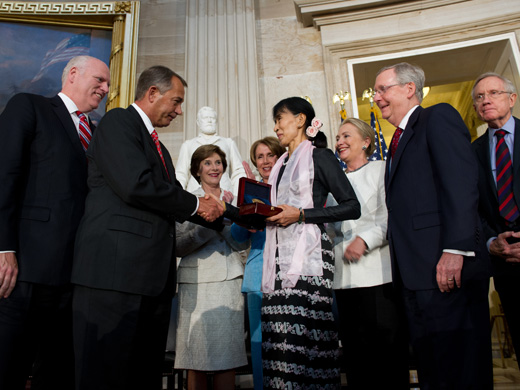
(299, 245)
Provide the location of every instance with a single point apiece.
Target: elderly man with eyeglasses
(439, 260)
(498, 153)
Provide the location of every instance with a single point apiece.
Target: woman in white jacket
(371, 328)
(210, 325)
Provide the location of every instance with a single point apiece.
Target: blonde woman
(370, 324)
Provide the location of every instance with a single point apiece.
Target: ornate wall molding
(441, 23)
(49, 8)
(370, 14)
(325, 12)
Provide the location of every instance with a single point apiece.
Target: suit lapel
(169, 163)
(485, 160)
(68, 126)
(387, 174)
(151, 144)
(516, 162)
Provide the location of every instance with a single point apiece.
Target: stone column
(221, 68)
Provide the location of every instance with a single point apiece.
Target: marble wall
(291, 64)
(289, 59)
(310, 58)
(162, 39)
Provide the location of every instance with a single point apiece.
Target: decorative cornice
(380, 12)
(123, 7)
(54, 8)
(320, 13)
(445, 34)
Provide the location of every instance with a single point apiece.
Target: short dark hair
(297, 105)
(272, 143)
(202, 153)
(159, 76)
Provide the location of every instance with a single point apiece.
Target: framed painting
(39, 38)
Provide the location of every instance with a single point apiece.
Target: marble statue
(207, 124)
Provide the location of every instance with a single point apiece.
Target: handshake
(211, 207)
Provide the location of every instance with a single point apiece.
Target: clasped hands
(502, 248)
(211, 207)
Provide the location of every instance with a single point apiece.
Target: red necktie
(158, 146)
(85, 135)
(395, 141)
(506, 200)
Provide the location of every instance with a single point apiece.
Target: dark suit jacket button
(171, 234)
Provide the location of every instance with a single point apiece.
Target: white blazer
(374, 267)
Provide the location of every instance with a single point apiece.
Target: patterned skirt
(299, 336)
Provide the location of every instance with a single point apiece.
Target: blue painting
(32, 57)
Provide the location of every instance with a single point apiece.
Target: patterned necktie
(85, 135)
(504, 172)
(158, 146)
(395, 141)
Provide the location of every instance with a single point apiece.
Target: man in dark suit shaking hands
(498, 155)
(124, 263)
(438, 257)
(43, 176)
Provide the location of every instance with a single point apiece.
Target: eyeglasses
(383, 89)
(479, 97)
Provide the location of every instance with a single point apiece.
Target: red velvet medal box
(254, 197)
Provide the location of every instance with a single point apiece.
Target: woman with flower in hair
(299, 337)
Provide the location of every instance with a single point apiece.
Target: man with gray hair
(439, 259)
(124, 267)
(43, 171)
(498, 155)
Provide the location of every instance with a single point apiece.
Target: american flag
(341, 163)
(381, 149)
(343, 116)
(77, 45)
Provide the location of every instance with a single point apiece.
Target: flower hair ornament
(313, 129)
